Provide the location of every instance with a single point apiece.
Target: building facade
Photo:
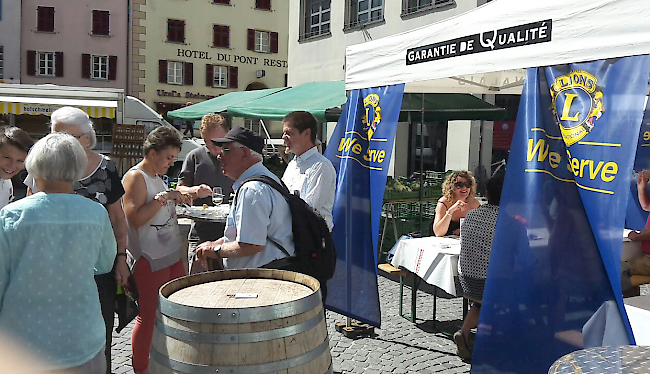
(320, 31)
(190, 51)
(9, 42)
(74, 43)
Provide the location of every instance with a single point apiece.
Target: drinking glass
(217, 195)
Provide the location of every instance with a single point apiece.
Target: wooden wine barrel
(244, 321)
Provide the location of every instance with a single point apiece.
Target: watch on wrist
(217, 249)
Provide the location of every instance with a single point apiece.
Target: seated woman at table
(475, 247)
(458, 191)
(154, 237)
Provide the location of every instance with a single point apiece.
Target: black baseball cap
(242, 136)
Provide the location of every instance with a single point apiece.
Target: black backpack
(315, 254)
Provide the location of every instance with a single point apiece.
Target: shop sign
(187, 95)
(520, 35)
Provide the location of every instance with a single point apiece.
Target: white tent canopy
(490, 45)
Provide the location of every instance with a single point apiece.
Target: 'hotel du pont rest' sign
(516, 36)
(225, 57)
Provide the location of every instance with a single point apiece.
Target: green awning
(313, 97)
(221, 103)
(448, 107)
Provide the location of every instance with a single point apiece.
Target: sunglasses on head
(467, 184)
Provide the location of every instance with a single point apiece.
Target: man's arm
(320, 182)
(228, 250)
(186, 180)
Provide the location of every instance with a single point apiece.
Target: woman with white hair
(101, 183)
(52, 243)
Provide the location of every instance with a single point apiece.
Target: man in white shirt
(309, 173)
(259, 222)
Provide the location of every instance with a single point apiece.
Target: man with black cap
(259, 213)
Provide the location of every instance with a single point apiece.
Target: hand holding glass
(217, 195)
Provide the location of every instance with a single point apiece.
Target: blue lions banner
(636, 217)
(555, 263)
(360, 149)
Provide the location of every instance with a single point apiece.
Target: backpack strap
(281, 188)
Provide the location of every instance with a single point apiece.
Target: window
(174, 72)
(365, 11)
(45, 64)
(317, 18)
(99, 67)
(226, 2)
(263, 4)
(175, 31)
(262, 41)
(45, 18)
(101, 24)
(414, 6)
(221, 36)
(2, 59)
(220, 76)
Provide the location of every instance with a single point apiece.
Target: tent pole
(267, 134)
(421, 191)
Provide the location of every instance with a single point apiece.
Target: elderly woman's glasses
(467, 184)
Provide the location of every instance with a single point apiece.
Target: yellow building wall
(199, 17)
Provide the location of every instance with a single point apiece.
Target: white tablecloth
(605, 327)
(433, 259)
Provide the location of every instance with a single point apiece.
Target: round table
(604, 360)
(211, 214)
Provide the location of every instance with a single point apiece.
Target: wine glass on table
(217, 195)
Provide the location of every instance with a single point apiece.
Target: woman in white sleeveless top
(154, 238)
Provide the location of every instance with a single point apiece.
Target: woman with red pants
(154, 238)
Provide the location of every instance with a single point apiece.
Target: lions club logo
(577, 104)
(372, 114)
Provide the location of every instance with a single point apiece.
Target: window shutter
(101, 22)
(209, 75)
(181, 31)
(274, 42)
(171, 30)
(162, 71)
(251, 40)
(112, 68)
(85, 66)
(188, 73)
(233, 72)
(58, 64)
(31, 63)
(45, 18)
(221, 36)
(263, 4)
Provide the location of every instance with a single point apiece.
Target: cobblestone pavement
(399, 347)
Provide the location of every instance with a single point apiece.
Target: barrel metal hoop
(241, 315)
(244, 369)
(251, 337)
